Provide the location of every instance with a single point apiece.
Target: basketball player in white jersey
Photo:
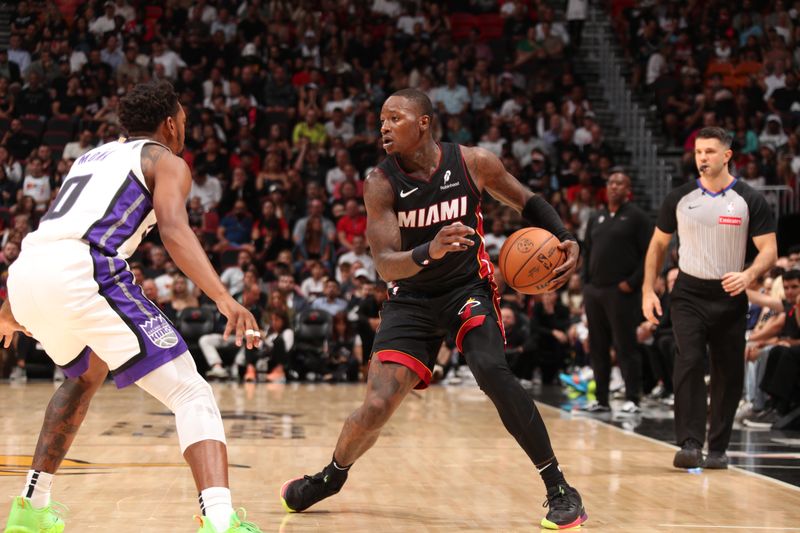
(72, 290)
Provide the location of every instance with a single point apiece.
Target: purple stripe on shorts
(159, 341)
(127, 210)
(79, 365)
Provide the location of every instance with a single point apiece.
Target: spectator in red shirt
(353, 223)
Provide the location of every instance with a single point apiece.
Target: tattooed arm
(64, 415)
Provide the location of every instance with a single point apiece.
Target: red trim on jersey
(486, 268)
(423, 180)
(466, 326)
(472, 186)
(408, 361)
(496, 302)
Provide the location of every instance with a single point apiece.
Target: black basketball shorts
(414, 325)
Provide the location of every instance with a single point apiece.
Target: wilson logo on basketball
(730, 221)
(524, 246)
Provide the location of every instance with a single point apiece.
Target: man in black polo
(714, 217)
(614, 249)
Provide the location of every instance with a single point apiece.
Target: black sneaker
(689, 456)
(716, 461)
(566, 508)
(299, 494)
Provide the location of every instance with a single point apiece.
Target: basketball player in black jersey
(425, 230)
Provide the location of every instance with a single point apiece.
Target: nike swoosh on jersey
(403, 194)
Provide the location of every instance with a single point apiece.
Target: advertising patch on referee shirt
(730, 221)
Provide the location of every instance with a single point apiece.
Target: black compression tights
(483, 350)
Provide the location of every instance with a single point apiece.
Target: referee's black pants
(703, 314)
(613, 317)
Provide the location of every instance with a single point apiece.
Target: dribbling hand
(651, 307)
(241, 322)
(451, 238)
(564, 272)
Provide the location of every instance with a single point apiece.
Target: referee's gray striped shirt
(713, 228)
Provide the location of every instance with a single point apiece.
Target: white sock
(215, 504)
(37, 488)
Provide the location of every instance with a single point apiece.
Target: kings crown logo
(160, 332)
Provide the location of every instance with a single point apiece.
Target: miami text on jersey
(433, 214)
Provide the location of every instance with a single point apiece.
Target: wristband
(421, 254)
(540, 213)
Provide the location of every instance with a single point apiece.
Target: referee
(613, 261)
(714, 217)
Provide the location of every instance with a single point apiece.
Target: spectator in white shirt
(390, 8)
(105, 22)
(359, 254)
(208, 14)
(75, 149)
(408, 21)
(169, 60)
(493, 141)
(37, 184)
(337, 173)
(124, 10)
(338, 101)
(337, 127)
(776, 79)
(314, 285)
(19, 55)
(111, 54)
(207, 187)
(451, 97)
(225, 24)
(523, 144)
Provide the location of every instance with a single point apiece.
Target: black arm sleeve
(540, 213)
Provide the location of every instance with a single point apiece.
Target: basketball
(528, 258)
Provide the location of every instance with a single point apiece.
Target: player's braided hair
(146, 106)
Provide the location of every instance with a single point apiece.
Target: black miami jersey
(423, 207)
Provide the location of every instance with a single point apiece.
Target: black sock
(551, 474)
(337, 472)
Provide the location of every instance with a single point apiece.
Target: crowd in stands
(728, 64)
(283, 101)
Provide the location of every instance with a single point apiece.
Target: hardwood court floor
(444, 463)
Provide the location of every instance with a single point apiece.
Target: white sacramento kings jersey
(103, 201)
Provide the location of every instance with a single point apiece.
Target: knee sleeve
(178, 386)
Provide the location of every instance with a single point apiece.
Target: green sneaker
(237, 524)
(25, 519)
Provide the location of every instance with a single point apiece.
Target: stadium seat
(461, 24)
(33, 126)
(491, 26)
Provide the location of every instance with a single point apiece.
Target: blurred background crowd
(283, 99)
